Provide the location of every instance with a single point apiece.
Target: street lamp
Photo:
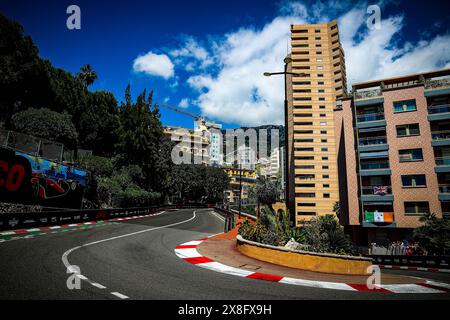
(286, 60)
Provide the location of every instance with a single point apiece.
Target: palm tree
(87, 75)
(337, 208)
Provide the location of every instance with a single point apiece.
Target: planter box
(304, 260)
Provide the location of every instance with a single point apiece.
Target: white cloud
(154, 64)
(184, 103)
(192, 55)
(231, 87)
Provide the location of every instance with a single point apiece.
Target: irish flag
(376, 216)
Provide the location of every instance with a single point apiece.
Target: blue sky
(209, 56)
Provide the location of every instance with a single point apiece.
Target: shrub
(324, 234)
(433, 235)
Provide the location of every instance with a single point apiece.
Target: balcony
(439, 112)
(376, 193)
(375, 168)
(368, 97)
(379, 219)
(367, 120)
(373, 144)
(442, 164)
(437, 87)
(440, 138)
(444, 192)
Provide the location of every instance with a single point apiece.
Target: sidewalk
(222, 248)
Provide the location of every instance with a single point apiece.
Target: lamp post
(286, 60)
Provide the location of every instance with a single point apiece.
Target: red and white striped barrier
(188, 252)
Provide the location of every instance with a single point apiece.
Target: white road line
(409, 288)
(119, 295)
(317, 284)
(217, 215)
(65, 255)
(98, 285)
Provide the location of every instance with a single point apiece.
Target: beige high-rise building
(316, 52)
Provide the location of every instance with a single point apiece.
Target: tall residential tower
(316, 52)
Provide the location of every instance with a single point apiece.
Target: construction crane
(186, 113)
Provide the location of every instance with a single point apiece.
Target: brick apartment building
(393, 155)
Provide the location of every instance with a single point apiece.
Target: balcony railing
(370, 117)
(366, 94)
(376, 190)
(376, 165)
(440, 135)
(444, 188)
(441, 108)
(434, 84)
(442, 161)
(371, 141)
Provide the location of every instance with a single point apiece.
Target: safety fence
(439, 262)
(26, 220)
(230, 216)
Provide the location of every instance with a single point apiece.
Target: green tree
(267, 191)
(98, 124)
(86, 75)
(433, 235)
(46, 124)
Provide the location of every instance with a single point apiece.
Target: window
(320, 75)
(305, 158)
(325, 158)
(404, 106)
(325, 167)
(305, 140)
(410, 155)
(321, 107)
(323, 140)
(304, 149)
(317, 31)
(326, 185)
(324, 149)
(406, 130)
(323, 132)
(306, 204)
(323, 123)
(306, 167)
(305, 176)
(414, 181)
(323, 115)
(319, 67)
(326, 176)
(318, 38)
(320, 83)
(418, 207)
(306, 185)
(306, 195)
(319, 59)
(326, 195)
(318, 52)
(321, 91)
(318, 45)
(321, 99)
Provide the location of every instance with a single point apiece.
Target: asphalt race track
(135, 259)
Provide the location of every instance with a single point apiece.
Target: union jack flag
(380, 190)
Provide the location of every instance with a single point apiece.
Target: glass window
(410, 155)
(406, 130)
(419, 207)
(326, 195)
(415, 180)
(406, 105)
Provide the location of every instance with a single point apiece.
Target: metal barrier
(25, 220)
(230, 217)
(440, 262)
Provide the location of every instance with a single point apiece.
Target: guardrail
(440, 262)
(26, 220)
(230, 217)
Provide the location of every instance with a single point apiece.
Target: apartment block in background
(312, 182)
(393, 143)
